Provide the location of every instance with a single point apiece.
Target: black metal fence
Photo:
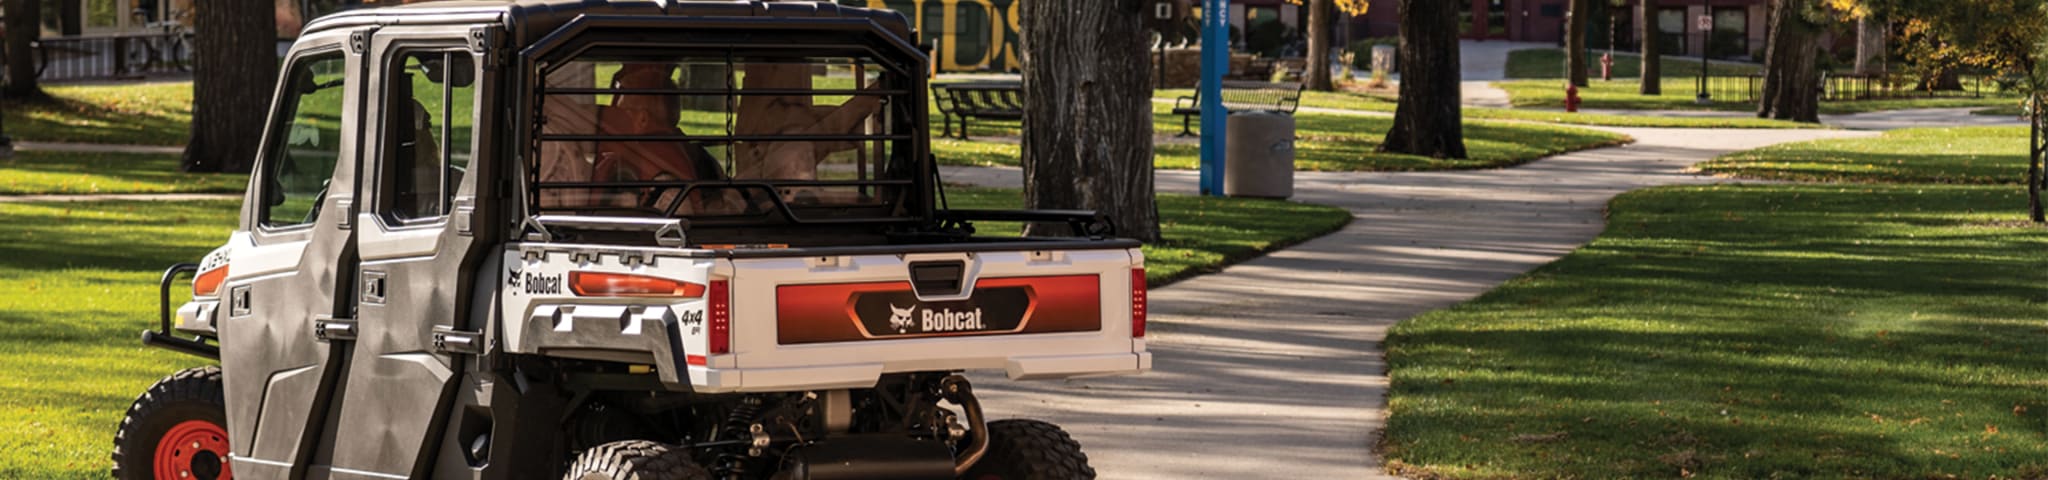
(1850, 87)
(112, 56)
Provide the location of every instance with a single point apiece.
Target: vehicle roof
(531, 19)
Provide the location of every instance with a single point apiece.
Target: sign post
(1215, 61)
(1706, 24)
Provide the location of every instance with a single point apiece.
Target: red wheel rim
(194, 449)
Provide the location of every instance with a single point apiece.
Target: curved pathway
(1273, 368)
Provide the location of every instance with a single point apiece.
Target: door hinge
(457, 342)
(326, 328)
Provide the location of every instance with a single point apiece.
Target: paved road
(1273, 368)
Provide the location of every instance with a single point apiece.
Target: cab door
(290, 258)
(419, 240)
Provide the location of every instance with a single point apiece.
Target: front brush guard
(162, 336)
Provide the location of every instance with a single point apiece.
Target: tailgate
(842, 321)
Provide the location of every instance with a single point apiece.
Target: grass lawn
(1773, 331)
(42, 172)
(1326, 142)
(1917, 155)
(1549, 63)
(129, 114)
(83, 285)
(1678, 95)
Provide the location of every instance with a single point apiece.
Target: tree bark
(2037, 152)
(1427, 117)
(1791, 86)
(1319, 45)
(1088, 113)
(234, 55)
(22, 30)
(1870, 44)
(1653, 57)
(1575, 41)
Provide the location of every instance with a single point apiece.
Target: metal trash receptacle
(1259, 155)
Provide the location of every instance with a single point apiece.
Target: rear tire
(1030, 450)
(177, 427)
(636, 460)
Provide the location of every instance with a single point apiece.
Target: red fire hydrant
(1571, 98)
(1607, 66)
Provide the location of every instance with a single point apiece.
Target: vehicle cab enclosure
(485, 235)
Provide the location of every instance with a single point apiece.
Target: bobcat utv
(595, 239)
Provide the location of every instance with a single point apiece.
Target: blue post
(1215, 61)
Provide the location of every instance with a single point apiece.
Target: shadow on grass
(140, 114)
(1755, 332)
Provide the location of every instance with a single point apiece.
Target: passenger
(793, 115)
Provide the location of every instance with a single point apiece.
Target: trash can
(1258, 160)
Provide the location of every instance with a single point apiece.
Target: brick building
(1737, 31)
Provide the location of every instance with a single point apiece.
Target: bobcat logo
(901, 318)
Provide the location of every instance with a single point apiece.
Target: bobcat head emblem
(900, 317)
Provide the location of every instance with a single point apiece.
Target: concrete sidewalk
(1273, 368)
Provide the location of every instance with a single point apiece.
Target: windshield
(728, 133)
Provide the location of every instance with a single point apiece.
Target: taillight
(1138, 302)
(208, 282)
(721, 317)
(599, 284)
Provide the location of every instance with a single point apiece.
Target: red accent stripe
(697, 360)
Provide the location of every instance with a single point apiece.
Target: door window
(306, 142)
(428, 126)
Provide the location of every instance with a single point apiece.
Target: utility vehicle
(595, 239)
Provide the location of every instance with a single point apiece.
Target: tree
(1427, 117)
(1791, 83)
(1653, 62)
(22, 31)
(234, 65)
(1575, 41)
(1088, 112)
(1319, 22)
(2008, 37)
(1871, 33)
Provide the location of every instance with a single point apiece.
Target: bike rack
(162, 336)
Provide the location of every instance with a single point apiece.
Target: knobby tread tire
(193, 393)
(1031, 450)
(636, 460)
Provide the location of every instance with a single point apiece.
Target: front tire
(176, 430)
(636, 460)
(1030, 450)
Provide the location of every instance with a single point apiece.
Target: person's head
(661, 110)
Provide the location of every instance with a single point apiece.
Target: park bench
(967, 100)
(1240, 96)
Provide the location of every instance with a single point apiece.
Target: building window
(1671, 23)
(1731, 33)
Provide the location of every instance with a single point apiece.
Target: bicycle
(164, 49)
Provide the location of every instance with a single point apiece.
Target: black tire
(1030, 450)
(170, 408)
(636, 460)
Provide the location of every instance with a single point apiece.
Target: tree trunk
(1319, 45)
(1575, 40)
(1427, 119)
(1791, 86)
(2037, 149)
(1088, 112)
(1870, 44)
(1653, 58)
(234, 65)
(22, 30)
